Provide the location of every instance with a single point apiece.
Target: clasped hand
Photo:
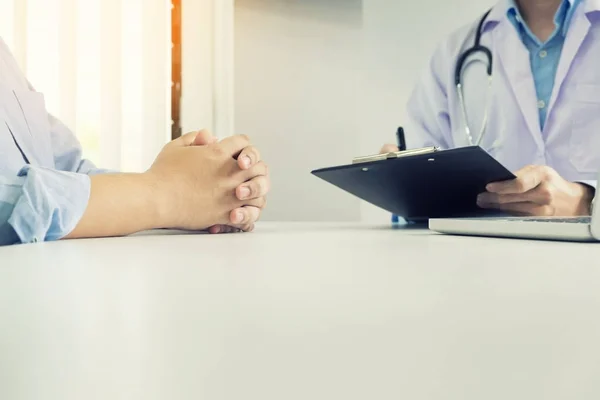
(256, 189)
(216, 186)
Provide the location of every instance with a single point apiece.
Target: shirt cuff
(590, 183)
(51, 204)
(88, 168)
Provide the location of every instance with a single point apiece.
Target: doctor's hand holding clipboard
(539, 186)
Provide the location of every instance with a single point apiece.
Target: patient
(48, 192)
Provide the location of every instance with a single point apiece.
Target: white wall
(320, 81)
(297, 95)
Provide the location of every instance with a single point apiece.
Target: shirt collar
(501, 9)
(561, 19)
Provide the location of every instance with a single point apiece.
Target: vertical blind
(207, 99)
(104, 67)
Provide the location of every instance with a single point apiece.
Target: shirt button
(541, 104)
(543, 54)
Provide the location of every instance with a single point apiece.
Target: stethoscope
(477, 48)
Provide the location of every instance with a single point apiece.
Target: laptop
(578, 229)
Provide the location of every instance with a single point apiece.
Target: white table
(300, 311)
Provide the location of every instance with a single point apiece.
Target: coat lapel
(513, 58)
(576, 35)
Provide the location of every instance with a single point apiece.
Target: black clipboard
(419, 184)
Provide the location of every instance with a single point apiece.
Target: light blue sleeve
(41, 204)
(67, 150)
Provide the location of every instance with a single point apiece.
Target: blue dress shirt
(545, 56)
(44, 181)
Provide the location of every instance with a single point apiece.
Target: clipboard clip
(395, 154)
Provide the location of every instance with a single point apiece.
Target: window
(176, 84)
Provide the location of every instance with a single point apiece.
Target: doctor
(49, 192)
(523, 82)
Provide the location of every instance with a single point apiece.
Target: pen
(401, 141)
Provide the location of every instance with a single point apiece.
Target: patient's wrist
(161, 200)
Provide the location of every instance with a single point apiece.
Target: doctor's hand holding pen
(400, 143)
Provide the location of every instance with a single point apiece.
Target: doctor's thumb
(388, 148)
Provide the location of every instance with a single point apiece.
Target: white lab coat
(570, 140)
